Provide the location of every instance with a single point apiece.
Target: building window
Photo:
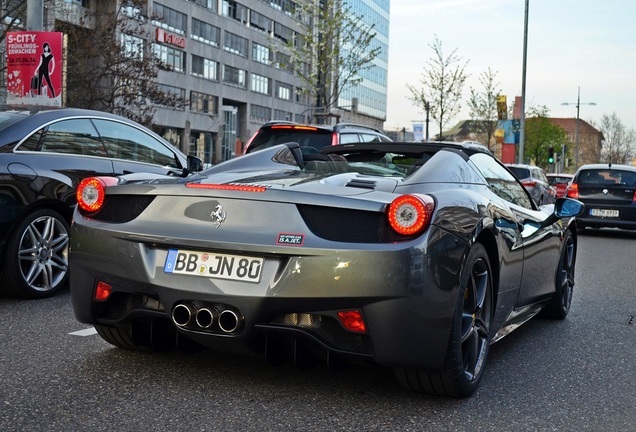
(281, 32)
(170, 19)
(205, 32)
(173, 58)
(260, 114)
(173, 92)
(284, 91)
(205, 68)
(235, 11)
(283, 62)
(205, 103)
(260, 22)
(133, 46)
(261, 53)
(208, 4)
(260, 84)
(283, 115)
(234, 76)
(235, 44)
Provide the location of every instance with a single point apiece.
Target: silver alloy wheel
(43, 253)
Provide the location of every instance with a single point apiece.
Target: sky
(589, 44)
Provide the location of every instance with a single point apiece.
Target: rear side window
(76, 136)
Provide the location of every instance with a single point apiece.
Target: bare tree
(12, 18)
(620, 142)
(111, 66)
(441, 86)
(483, 105)
(331, 49)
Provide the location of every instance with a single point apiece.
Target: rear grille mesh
(349, 226)
(121, 208)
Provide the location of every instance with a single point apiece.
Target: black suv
(311, 138)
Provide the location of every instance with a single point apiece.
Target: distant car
(413, 256)
(559, 182)
(609, 194)
(43, 157)
(311, 138)
(535, 181)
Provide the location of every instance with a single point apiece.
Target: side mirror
(564, 208)
(194, 164)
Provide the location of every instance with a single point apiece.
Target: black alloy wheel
(561, 302)
(469, 339)
(36, 255)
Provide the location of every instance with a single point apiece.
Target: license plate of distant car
(603, 212)
(214, 265)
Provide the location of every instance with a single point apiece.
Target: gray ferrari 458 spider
(413, 256)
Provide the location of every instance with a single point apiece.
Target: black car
(311, 138)
(43, 157)
(413, 256)
(609, 194)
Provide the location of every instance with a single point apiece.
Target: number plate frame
(214, 265)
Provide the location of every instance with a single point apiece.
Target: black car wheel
(559, 306)
(469, 339)
(36, 255)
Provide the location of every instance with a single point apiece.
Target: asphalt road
(573, 375)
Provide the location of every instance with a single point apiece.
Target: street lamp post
(576, 127)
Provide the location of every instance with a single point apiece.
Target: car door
(134, 150)
(538, 247)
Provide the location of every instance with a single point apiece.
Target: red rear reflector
(410, 214)
(243, 188)
(102, 292)
(529, 183)
(353, 321)
(573, 191)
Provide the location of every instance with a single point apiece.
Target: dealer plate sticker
(219, 266)
(604, 212)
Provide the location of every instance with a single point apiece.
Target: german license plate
(603, 212)
(213, 265)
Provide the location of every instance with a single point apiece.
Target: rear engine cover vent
(361, 183)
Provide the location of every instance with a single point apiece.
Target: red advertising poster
(34, 68)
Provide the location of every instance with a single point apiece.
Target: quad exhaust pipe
(197, 317)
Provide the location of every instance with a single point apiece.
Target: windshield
(313, 140)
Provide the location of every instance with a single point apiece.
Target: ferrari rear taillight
(102, 291)
(353, 321)
(411, 214)
(91, 192)
(573, 191)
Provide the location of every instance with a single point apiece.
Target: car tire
(469, 338)
(35, 263)
(561, 301)
(120, 337)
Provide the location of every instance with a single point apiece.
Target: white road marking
(85, 332)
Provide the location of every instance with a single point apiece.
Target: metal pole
(576, 129)
(35, 15)
(522, 122)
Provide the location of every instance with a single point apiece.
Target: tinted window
(520, 173)
(126, 142)
(317, 139)
(500, 181)
(347, 138)
(76, 136)
(607, 177)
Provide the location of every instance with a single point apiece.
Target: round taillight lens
(410, 214)
(90, 194)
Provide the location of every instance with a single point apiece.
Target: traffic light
(551, 155)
